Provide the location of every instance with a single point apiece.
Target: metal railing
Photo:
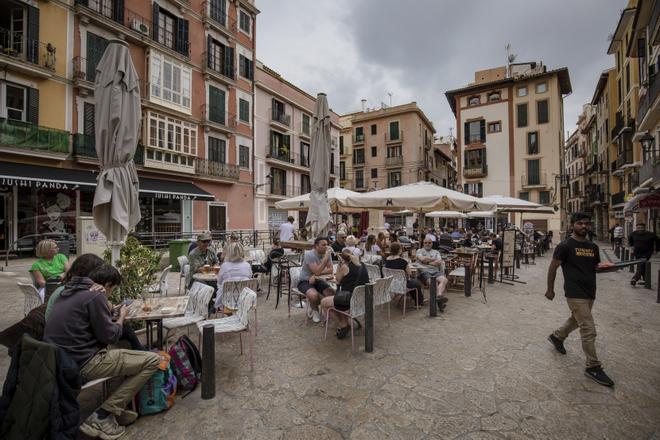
(84, 146)
(285, 155)
(618, 198)
(394, 136)
(17, 45)
(534, 179)
(212, 168)
(284, 190)
(212, 63)
(358, 138)
(33, 137)
(394, 161)
(212, 12)
(476, 171)
(625, 157)
(280, 117)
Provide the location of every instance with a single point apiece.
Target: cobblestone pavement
(479, 371)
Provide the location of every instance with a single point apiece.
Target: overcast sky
(418, 49)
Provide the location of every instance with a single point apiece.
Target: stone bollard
(467, 285)
(208, 362)
(657, 300)
(647, 275)
(491, 280)
(433, 299)
(369, 318)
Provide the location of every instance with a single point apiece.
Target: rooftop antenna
(510, 58)
(390, 95)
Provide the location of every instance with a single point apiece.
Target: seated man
(315, 263)
(433, 267)
(80, 323)
(202, 255)
(339, 244)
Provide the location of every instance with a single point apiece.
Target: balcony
(473, 172)
(597, 198)
(284, 190)
(534, 180)
(25, 55)
(211, 168)
(279, 118)
(218, 69)
(392, 162)
(219, 20)
(625, 158)
(217, 118)
(650, 169)
(474, 139)
(395, 136)
(84, 148)
(29, 137)
(619, 125)
(618, 198)
(358, 139)
(285, 155)
(647, 102)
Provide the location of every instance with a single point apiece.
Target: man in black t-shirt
(578, 258)
(644, 243)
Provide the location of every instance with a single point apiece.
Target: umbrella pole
(115, 249)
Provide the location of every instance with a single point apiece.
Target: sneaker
(127, 417)
(558, 343)
(107, 428)
(316, 316)
(599, 376)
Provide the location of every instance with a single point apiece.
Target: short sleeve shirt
(578, 263)
(433, 253)
(311, 257)
(286, 231)
(50, 269)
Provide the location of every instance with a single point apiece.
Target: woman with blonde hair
(234, 268)
(372, 252)
(51, 264)
(350, 274)
(351, 245)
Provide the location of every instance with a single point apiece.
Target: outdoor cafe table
(161, 307)
(206, 278)
(299, 245)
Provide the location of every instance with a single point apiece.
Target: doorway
(217, 217)
(4, 221)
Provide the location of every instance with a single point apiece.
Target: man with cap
(202, 255)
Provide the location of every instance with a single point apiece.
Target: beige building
(574, 160)
(390, 146)
(510, 127)
(443, 166)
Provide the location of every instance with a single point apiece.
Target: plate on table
(166, 310)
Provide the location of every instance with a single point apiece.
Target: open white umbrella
(511, 204)
(481, 214)
(318, 217)
(419, 196)
(300, 203)
(117, 115)
(445, 214)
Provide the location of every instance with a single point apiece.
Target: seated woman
(372, 252)
(234, 268)
(351, 245)
(382, 242)
(51, 264)
(395, 261)
(350, 274)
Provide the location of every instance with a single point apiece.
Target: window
(171, 81)
(244, 110)
(359, 134)
(342, 170)
(473, 189)
(304, 154)
(627, 78)
(474, 100)
(95, 48)
(245, 67)
(522, 115)
(280, 146)
(306, 126)
(16, 102)
(171, 140)
(394, 131)
(219, 11)
(374, 129)
(533, 172)
(475, 131)
(542, 111)
(544, 197)
(278, 182)
(542, 87)
(494, 96)
(358, 156)
(374, 173)
(341, 145)
(495, 127)
(243, 156)
(395, 151)
(533, 142)
(522, 91)
(359, 178)
(475, 160)
(305, 185)
(166, 27)
(244, 22)
(217, 150)
(216, 105)
(394, 179)
(220, 58)
(523, 195)
(169, 30)
(374, 151)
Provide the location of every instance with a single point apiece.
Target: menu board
(508, 248)
(90, 239)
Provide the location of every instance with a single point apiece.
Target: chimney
(364, 105)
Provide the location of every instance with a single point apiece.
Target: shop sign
(24, 183)
(652, 201)
(172, 196)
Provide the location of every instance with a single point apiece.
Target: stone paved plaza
(479, 371)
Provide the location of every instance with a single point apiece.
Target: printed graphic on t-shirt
(584, 252)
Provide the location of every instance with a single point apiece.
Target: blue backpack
(158, 393)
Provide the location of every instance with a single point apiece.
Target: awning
(35, 176)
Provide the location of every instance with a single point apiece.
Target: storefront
(36, 200)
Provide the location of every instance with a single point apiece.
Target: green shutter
(216, 105)
(32, 43)
(95, 48)
(33, 106)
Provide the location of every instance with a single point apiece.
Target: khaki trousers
(136, 366)
(581, 317)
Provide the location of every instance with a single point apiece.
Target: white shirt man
(287, 230)
(435, 267)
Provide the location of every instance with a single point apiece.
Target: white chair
(184, 268)
(257, 256)
(161, 286)
(399, 285)
(357, 309)
(197, 309)
(237, 323)
(32, 297)
(294, 277)
(374, 272)
(382, 293)
(231, 293)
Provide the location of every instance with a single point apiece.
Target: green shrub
(138, 265)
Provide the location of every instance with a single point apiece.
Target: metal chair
(231, 294)
(382, 293)
(197, 309)
(374, 272)
(357, 309)
(32, 297)
(184, 268)
(399, 286)
(162, 286)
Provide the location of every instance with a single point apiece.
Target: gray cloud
(418, 49)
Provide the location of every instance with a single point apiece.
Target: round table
(210, 277)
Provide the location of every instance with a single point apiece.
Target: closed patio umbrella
(318, 217)
(117, 122)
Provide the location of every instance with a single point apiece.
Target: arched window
(474, 100)
(494, 96)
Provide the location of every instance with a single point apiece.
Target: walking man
(578, 258)
(644, 243)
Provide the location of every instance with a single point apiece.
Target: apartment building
(390, 146)
(575, 174)
(283, 122)
(443, 169)
(195, 65)
(509, 125)
(346, 151)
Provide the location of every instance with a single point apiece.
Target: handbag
(343, 298)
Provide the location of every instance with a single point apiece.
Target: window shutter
(182, 36)
(216, 105)
(154, 22)
(118, 11)
(33, 106)
(229, 61)
(484, 163)
(466, 133)
(480, 189)
(466, 188)
(250, 72)
(95, 48)
(88, 119)
(209, 47)
(32, 49)
(482, 130)
(465, 160)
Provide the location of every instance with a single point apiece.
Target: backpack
(186, 364)
(158, 393)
